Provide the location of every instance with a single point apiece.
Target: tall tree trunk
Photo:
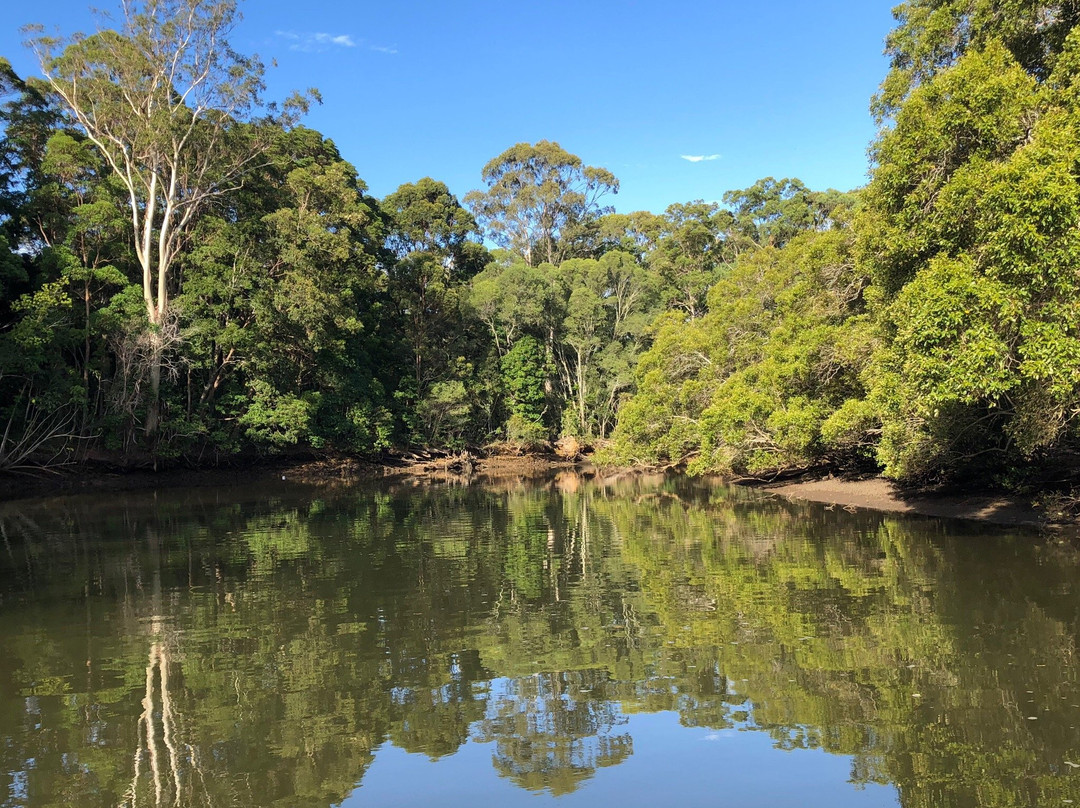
(153, 409)
(153, 405)
(581, 391)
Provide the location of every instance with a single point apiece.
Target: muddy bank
(316, 471)
(879, 494)
(508, 469)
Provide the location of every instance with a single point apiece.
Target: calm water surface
(649, 642)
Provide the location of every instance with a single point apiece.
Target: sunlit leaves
(971, 224)
(750, 385)
(540, 200)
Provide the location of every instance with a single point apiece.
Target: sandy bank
(879, 494)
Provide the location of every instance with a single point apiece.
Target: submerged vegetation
(187, 272)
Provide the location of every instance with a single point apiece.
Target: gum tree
(164, 100)
(540, 201)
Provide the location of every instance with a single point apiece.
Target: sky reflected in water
(644, 641)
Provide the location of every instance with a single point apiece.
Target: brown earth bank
(508, 466)
(503, 463)
(877, 493)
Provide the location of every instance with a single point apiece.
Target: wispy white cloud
(315, 42)
(698, 158)
(382, 49)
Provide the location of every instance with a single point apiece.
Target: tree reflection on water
(197, 647)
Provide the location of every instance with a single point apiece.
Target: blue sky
(427, 88)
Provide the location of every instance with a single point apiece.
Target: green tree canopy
(931, 35)
(540, 201)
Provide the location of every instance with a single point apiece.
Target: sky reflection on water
(647, 641)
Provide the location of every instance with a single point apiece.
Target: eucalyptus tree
(437, 249)
(771, 212)
(540, 201)
(163, 99)
(637, 233)
(690, 255)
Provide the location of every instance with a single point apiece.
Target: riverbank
(510, 467)
(879, 494)
(315, 470)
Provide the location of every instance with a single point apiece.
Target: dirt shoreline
(94, 478)
(870, 493)
(879, 494)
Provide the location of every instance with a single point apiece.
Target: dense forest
(187, 273)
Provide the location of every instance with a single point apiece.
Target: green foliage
(435, 242)
(524, 432)
(927, 322)
(275, 419)
(427, 218)
(970, 233)
(606, 308)
(541, 202)
(526, 371)
(298, 341)
(750, 385)
(690, 255)
(931, 35)
(772, 212)
(28, 120)
(513, 299)
(13, 274)
(445, 412)
(932, 165)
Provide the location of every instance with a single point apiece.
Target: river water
(646, 642)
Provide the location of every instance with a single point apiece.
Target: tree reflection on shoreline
(257, 648)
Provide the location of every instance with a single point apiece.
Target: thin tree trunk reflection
(158, 735)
